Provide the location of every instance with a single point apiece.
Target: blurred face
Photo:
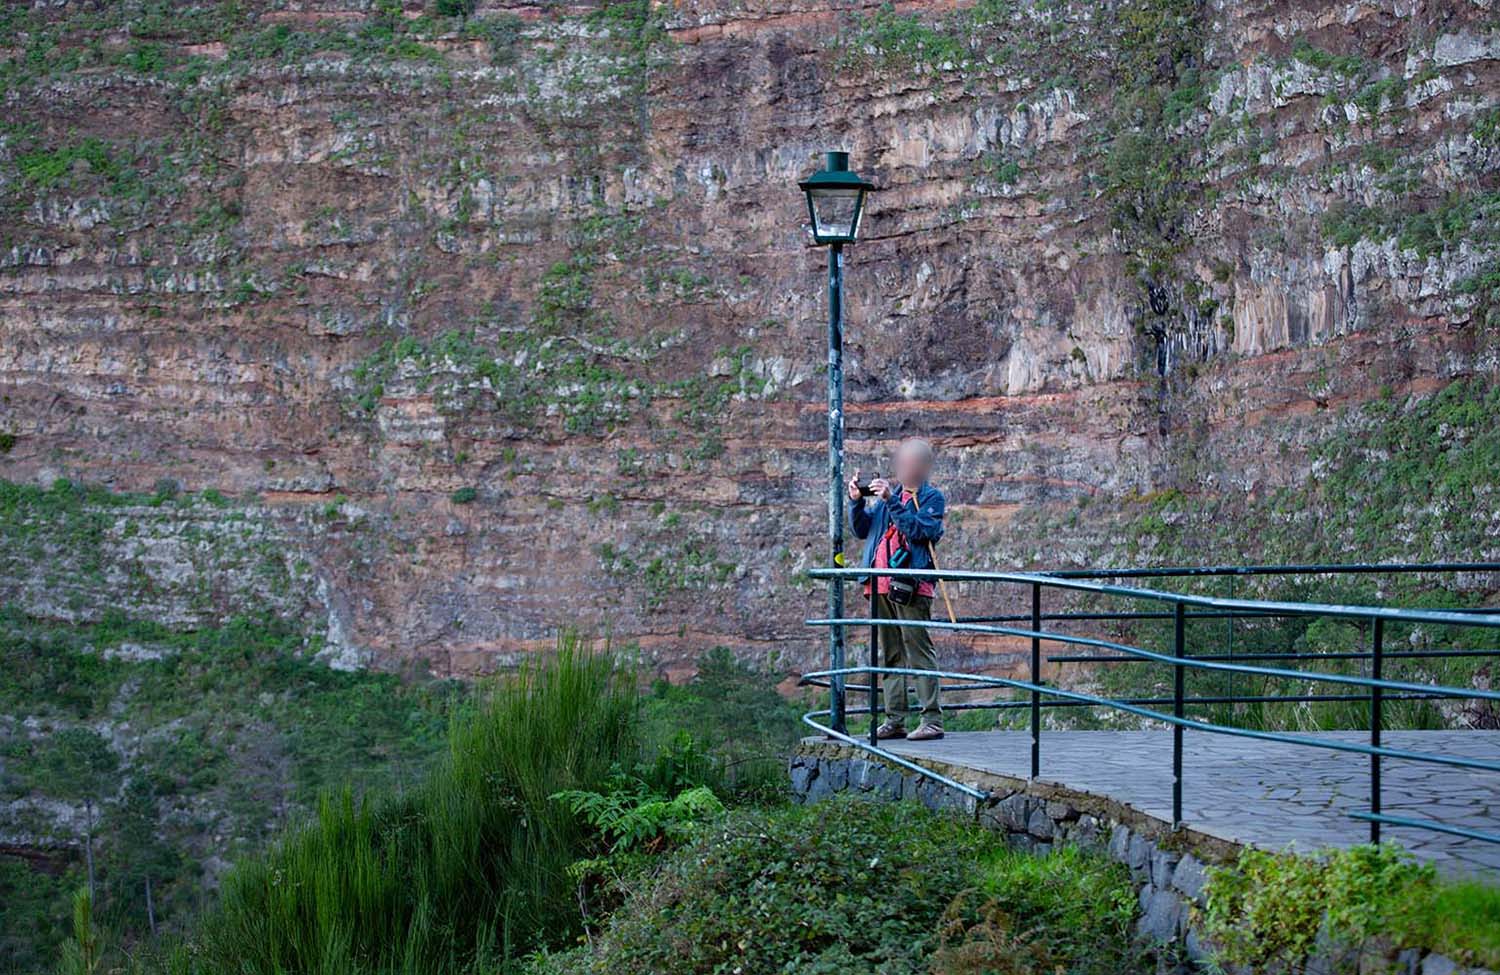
(913, 463)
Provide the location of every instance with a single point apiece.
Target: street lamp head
(835, 200)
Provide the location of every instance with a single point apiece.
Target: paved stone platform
(1268, 794)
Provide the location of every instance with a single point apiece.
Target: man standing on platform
(900, 521)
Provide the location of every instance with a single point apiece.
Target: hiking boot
(927, 732)
(890, 730)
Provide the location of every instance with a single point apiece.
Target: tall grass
(468, 871)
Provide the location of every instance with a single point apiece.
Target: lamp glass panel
(835, 211)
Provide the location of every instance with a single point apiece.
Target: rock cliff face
(452, 330)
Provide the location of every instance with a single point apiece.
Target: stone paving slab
(1269, 794)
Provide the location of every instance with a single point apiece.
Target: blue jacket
(920, 521)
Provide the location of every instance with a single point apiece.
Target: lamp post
(835, 203)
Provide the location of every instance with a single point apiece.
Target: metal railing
(1180, 609)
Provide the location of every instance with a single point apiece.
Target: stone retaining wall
(1168, 867)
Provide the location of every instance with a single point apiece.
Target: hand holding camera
(878, 488)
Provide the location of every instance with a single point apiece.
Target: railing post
(1036, 679)
(1377, 699)
(1229, 622)
(1179, 649)
(874, 662)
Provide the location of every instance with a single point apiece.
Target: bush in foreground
(1271, 909)
(847, 887)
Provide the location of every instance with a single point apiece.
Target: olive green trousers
(909, 647)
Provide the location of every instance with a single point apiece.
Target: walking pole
(942, 583)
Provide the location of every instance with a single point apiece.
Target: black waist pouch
(902, 588)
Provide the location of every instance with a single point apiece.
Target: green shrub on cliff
(46, 168)
(1395, 478)
(1405, 477)
(1426, 228)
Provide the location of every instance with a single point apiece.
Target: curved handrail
(1190, 723)
(1201, 663)
(1309, 568)
(1438, 617)
(1327, 744)
(1085, 581)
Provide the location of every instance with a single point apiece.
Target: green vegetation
(1425, 230)
(82, 954)
(1484, 288)
(528, 375)
(1394, 479)
(1404, 477)
(1006, 172)
(634, 821)
(1486, 129)
(966, 42)
(91, 549)
(891, 39)
(126, 175)
(1422, 223)
(467, 870)
(1148, 168)
(574, 826)
(668, 560)
(596, 62)
(34, 912)
(567, 830)
(1067, 912)
(1430, 228)
(567, 360)
(44, 169)
(847, 886)
(51, 46)
(733, 714)
(1367, 84)
(570, 363)
(1140, 70)
(524, 375)
(566, 788)
(636, 28)
(238, 726)
(631, 818)
(57, 44)
(1138, 62)
(225, 732)
(1268, 909)
(1351, 65)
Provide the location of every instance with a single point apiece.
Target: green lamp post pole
(836, 472)
(835, 203)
